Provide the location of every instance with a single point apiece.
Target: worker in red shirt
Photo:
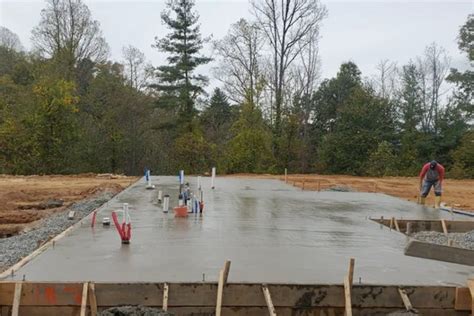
(431, 175)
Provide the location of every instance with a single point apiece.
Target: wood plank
(462, 299)
(85, 288)
(92, 299)
(406, 300)
(396, 225)
(268, 300)
(470, 285)
(16, 299)
(226, 271)
(351, 271)
(220, 290)
(237, 295)
(347, 296)
(445, 229)
(165, 297)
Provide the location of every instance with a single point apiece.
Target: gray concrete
(271, 231)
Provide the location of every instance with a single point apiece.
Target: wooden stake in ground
(445, 228)
(16, 299)
(92, 299)
(347, 296)
(406, 301)
(85, 288)
(470, 285)
(226, 271)
(396, 224)
(165, 297)
(268, 300)
(220, 289)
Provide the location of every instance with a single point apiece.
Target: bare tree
(10, 40)
(137, 70)
(385, 82)
(68, 32)
(239, 68)
(432, 68)
(286, 24)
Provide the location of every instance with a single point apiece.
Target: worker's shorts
(425, 189)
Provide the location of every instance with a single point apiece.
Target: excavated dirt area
(457, 193)
(24, 200)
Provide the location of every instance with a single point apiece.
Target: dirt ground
(457, 193)
(26, 199)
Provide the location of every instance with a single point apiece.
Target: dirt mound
(106, 187)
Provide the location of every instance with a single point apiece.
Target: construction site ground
(24, 200)
(456, 193)
(271, 232)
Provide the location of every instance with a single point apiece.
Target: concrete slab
(271, 232)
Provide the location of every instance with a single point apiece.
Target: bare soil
(26, 199)
(456, 193)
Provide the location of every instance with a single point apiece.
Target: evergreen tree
(217, 118)
(177, 81)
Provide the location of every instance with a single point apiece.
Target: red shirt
(432, 174)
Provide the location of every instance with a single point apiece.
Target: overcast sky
(362, 31)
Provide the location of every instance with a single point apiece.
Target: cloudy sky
(362, 31)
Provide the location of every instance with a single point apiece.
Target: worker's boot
(422, 200)
(437, 201)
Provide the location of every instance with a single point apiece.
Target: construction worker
(431, 175)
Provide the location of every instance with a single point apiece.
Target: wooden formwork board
(428, 225)
(244, 297)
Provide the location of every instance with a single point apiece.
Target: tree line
(65, 107)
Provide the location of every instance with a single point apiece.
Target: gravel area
(134, 311)
(461, 240)
(13, 249)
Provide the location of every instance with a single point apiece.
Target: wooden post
(268, 300)
(396, 224)
(391, 223)
(406, 300)
(319, 185)
(220, 289)
(350, 274)
(92, 299)
(445, 228)
(302, 188)
(375, 187)
(347, 296)
(85, 287)
(226, 271)
(286, 175)
(16, 299)
(165, 297)
(470, 285)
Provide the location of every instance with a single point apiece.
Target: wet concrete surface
(272, 232)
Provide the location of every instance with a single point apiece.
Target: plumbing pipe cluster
(124, 229)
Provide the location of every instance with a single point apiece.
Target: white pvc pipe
(213, 176)
(181, 177)
(160, 195)
(166, 203)
(199, 183)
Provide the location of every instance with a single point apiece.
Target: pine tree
(177, 81)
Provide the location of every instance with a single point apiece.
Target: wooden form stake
(268, 300)
(319, 185)
(445, 228)
(92, 299)
(348, 296)
(470, 285)
(396, 224)
(165, 297)
(348, 281)
(226, 271)
(406, 300)
(220, 289)
(16, 299)
(351, 271)
(391, 223)
(85, 288)
(302, 187)
(286, 175)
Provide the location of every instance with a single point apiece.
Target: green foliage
(192, 152)
(178, 83)
(250, 148)
(463, 158)
(382, 161)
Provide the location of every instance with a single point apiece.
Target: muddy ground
(457, 193)
(24, 200)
